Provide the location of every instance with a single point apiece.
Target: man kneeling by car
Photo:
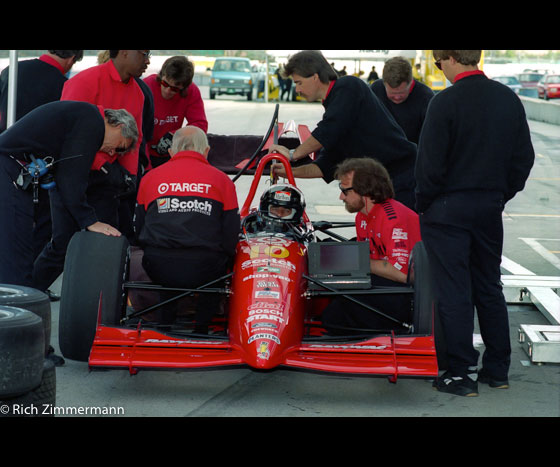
(187, 222)
(392, 230)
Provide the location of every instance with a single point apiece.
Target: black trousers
(16, 227)
(187, 269)
(463, 235)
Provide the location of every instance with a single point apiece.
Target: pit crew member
(475, 153)
(70, 133)
(355, 124)
(112, 85)
(187, 222)
(406, 98)
(176, 98)
(392, 230)
(39, 81)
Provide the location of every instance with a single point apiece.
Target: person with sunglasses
(475, 153)
(176, 99)
(392, 230)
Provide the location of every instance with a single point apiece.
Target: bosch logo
(163, 188)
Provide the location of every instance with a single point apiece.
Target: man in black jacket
(405, 98)
(68, 134)
(355, 124)
(39, 81)
(475, 153)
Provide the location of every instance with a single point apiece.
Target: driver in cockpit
(280, 210)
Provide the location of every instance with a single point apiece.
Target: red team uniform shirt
(102, 85)
(392, 230)
(170, 113)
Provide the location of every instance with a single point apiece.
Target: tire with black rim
(95, 269)
(22, 351)
(29, 299)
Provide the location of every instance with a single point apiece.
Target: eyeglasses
(345, 190)
(165, 84)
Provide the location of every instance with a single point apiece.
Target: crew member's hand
(106, 229)
(279, 169)
(280, 149)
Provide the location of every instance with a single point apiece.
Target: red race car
(273, 298)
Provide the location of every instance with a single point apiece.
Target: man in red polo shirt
(112, 86)
(391, 229)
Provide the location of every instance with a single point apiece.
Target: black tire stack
(27, 377)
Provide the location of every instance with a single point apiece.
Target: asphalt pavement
(532, 241)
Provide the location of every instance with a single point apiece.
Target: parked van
(231, 75)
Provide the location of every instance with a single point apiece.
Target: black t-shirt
(411, 113)
(356, 124)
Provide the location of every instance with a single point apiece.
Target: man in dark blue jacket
(474, 155)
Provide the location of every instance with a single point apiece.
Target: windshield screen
(232, 65)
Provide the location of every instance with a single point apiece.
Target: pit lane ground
(532, 240)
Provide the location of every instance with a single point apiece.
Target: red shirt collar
(467, 73)
(51, 61)
(329, 90)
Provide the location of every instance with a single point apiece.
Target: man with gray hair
(187, 222)
(65, 135)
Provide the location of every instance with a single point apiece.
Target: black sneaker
(457, 385)
(485, 378)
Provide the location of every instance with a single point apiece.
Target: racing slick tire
(29, 299)
(36, 403)
(22, 351)
(95, 268)
(425, 316)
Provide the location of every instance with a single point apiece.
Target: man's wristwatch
(291, 157)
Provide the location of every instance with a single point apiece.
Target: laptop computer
(339, 265)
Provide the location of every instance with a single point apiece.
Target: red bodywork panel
(268, 310)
